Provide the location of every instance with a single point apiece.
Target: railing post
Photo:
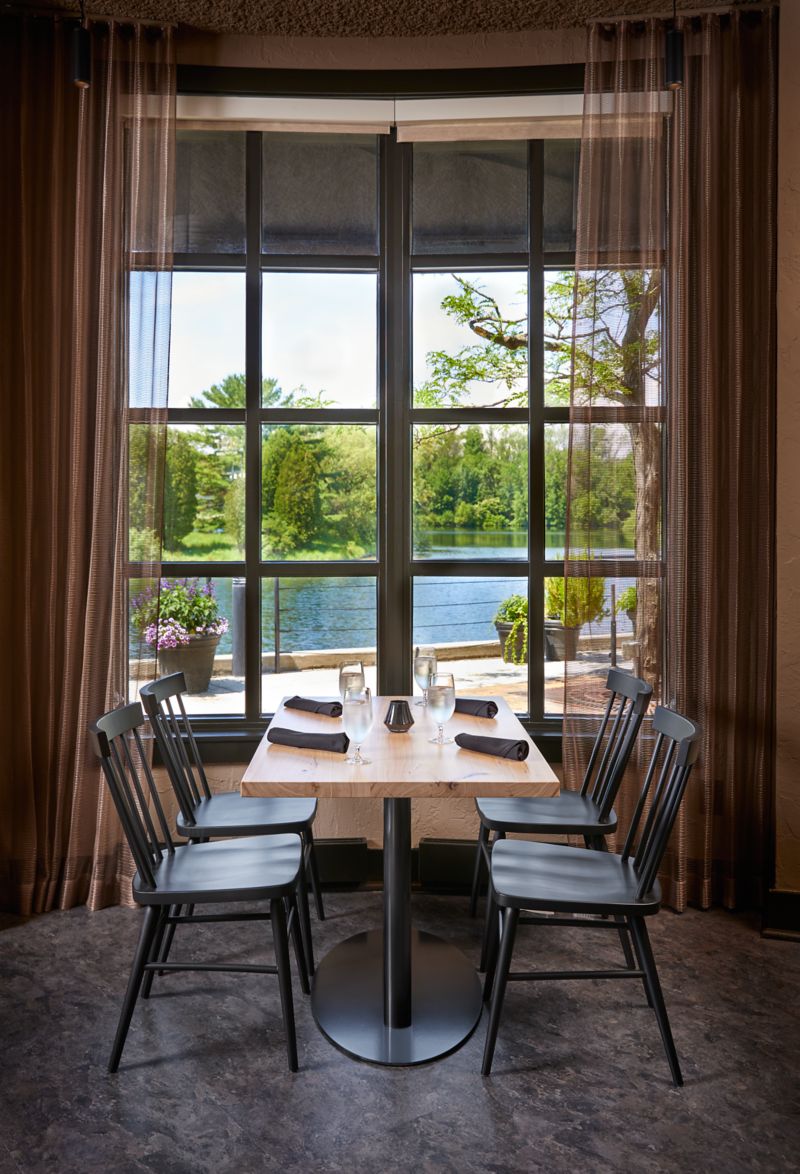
(276, 595)
(237, 627)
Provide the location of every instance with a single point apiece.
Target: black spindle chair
(203, 816)
(572, 883)
(259, 868)
(588, 812)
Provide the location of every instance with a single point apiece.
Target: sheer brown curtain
(672, 416)
(86, 187)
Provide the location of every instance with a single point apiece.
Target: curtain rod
(74, 14)
(721, 10)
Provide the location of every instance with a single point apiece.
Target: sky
(319, 330)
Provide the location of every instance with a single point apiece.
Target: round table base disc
(347, 1000)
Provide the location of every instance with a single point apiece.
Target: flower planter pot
(560, 643)
(195, 660)
(630, 612)
(513, 653)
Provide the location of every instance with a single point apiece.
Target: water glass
(351, 676)
(441, 703)
(357, 719)
(424, 668)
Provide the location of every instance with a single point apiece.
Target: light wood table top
(402, 766)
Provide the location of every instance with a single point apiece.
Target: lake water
(341, 612)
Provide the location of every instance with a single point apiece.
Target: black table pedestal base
(347, 999)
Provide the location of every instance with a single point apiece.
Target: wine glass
(351, 676)
(424, 668)
(441, 703)
(357, 719)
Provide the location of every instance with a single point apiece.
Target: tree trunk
(646, 446)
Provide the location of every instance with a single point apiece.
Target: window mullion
(253, 429)
(536, 471)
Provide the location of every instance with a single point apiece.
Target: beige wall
(787, 797)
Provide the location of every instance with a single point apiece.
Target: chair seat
(561, 879)
(253, 868)
(567, 813)
(229, 814)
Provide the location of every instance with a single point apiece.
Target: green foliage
(626, 600)
(186, 601)
(514, 611)
(500, 362)
(235, 511)
(180, 487)
(575, 602)
(144, 545)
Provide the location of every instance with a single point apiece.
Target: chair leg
(155, 949)
(492, 943)
(641, 967)
(145, 945)
(297, 942)
(507, 936)
(278, 918)
(487, 920)
(313, 873)
(643, 949)
(305, 921)
(169, 934)
(625, 942)
(483, 836)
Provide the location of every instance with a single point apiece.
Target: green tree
(296, 511)
(180, 488)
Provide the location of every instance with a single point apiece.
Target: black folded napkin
(327, 708)
(337, 743)
(499, 747)
(476, 707)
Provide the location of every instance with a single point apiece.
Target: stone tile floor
(580, 1081)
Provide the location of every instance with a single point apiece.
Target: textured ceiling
(372, 18)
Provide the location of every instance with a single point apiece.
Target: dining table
(398, 995)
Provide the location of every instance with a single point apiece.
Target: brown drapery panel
(86, 187)
(672, 400)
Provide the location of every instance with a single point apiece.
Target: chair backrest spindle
(676, 749)
(176, 742)
(112, 735)
(628, 700)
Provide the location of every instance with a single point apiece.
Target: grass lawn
(197, 546)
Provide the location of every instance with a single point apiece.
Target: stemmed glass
(441, 703)
(351, 676)
(424, 668)
(357, 719)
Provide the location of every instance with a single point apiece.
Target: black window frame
(234, 737)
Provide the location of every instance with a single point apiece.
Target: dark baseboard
(782, 915)
(437, 866)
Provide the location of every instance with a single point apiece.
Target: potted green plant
(626, 601)
(511, 624)
(180, 619)
(568, 605)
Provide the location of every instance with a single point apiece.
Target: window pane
(617, 354)
(470, 197)
(561, 161)
(609, 487)
(470, 340)
(459, 617)
(212, 663)
(320, 193)
(209, 192)
(470, 491)
(203, 493)
(579, 633)
(207, 356)
(319, 345)
(318, 491)
(320, 622)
